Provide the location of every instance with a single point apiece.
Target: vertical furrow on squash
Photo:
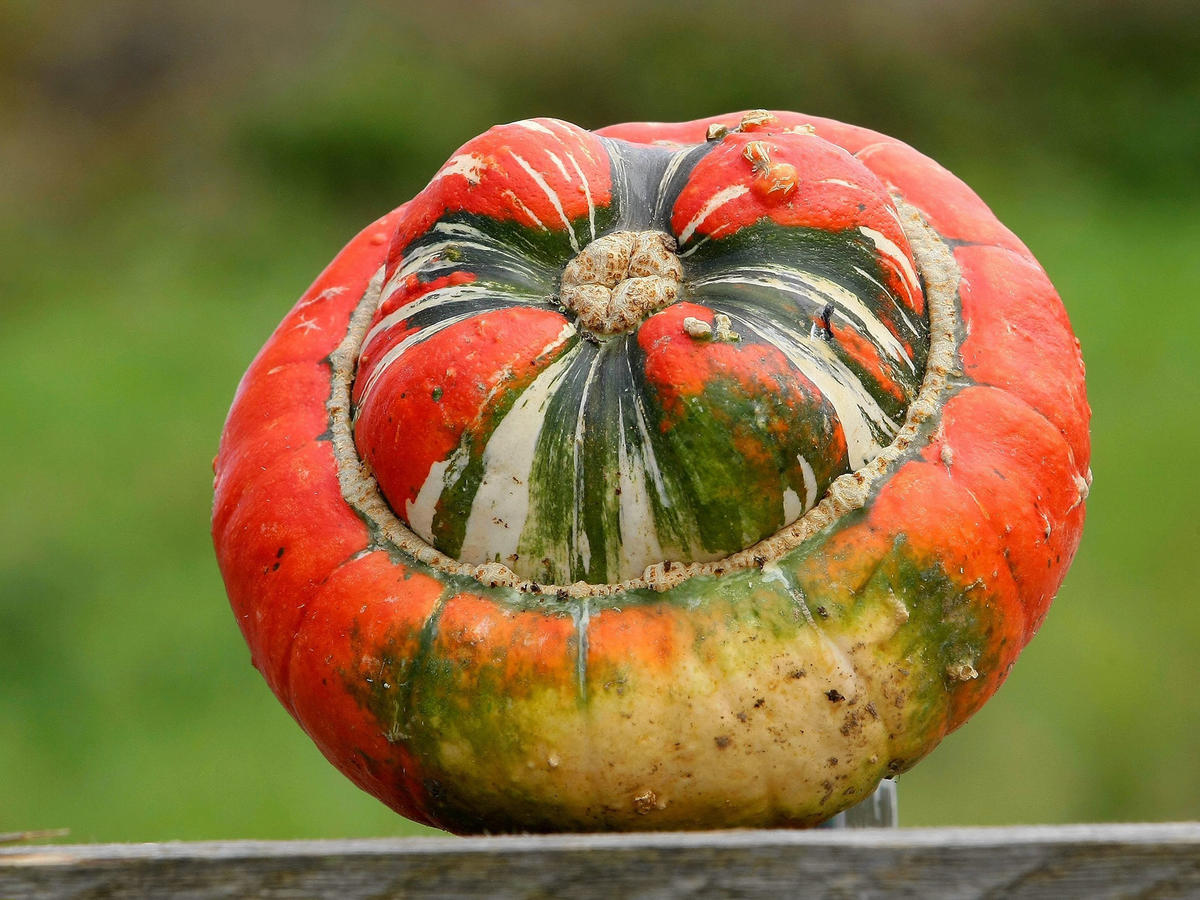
(671, 529)
(673, 180)
(599, 464)
(582, 619)
(553, 549)
(409, 715)
(645, 181)
(590, 520)
(635, 482)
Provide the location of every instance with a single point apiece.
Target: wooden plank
(1054, 862)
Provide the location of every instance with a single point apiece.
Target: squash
(668, 476)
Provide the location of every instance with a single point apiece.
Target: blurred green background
(172, 175)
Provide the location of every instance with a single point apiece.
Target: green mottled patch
(383, 681)
(726, 457)
(928, 620)
(472, 726)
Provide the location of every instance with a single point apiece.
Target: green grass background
(173, 175)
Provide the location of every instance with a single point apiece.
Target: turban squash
(664, 476)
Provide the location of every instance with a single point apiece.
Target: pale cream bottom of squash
(745, 744)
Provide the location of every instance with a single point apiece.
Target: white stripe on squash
(579, 538)
(468, 165)
(810, 482)
(501, 505)
(843, 300)
(898, 257)
(420, 512)
(792, 507)
(417, 337)
(428, 301)
(587, 194)
(551, 195)
(715, 202)
(639, 544)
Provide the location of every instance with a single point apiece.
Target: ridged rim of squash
(940, 277)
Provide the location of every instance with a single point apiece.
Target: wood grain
(1093, 861)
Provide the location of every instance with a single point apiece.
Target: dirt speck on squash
(647, 802)
(961, 671)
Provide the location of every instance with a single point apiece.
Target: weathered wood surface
(1055, 862)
